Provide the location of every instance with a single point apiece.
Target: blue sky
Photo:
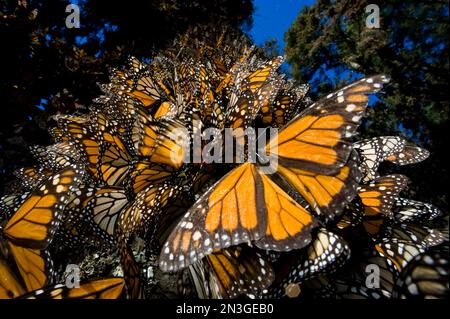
(272, 18)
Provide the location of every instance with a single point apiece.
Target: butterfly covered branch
(298, 202)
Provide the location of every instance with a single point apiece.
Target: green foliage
(42, 59)
(329, 43)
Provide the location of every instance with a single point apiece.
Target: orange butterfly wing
(378, 198)
(313, 150)
(37, 219)
(326, 194)
(243, 206)
(35, 266)
(232, 272)
(10, 287)
(110, 288)
(317, 139)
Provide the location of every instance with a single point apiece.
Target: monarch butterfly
(145, 210)
(57, 135)
(107, 157)
(35, 267)
(84, 139)
(231, 272)
(155, 142)
(399, 252)
(269, 216)
(175, 208)
(76, 227)
(230, 78)
(188, 240)
(353, 281)
(182, 199)
(202, 82)
(165, 110)
(387, 148)
(137, 218)
(131, 270)
(408, 210)
(31, 177)
(238, 96)
(203, 94)
(50, 159)
(256, 91)
(417, 234)
(147, 173)
(36, 220)
(284, 107)
(105, 207)
(91, 214)
(119, 114)
(115, 164)
(223, 62)
(352, 215)
(109, 288)
(410, 154)
(137, 82)
(9, 285)
(63, 149)
(374, 151)
(192, 82)
(327, 194)
(377, 199)
(435, 238)
(146, 89)
(326, 253)
(9, 204)
(115, 157)
(425, 277)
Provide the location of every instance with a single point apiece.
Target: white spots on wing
(350, 107)
(197, 235)
(356, 118)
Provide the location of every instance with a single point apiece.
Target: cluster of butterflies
(325, 224)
